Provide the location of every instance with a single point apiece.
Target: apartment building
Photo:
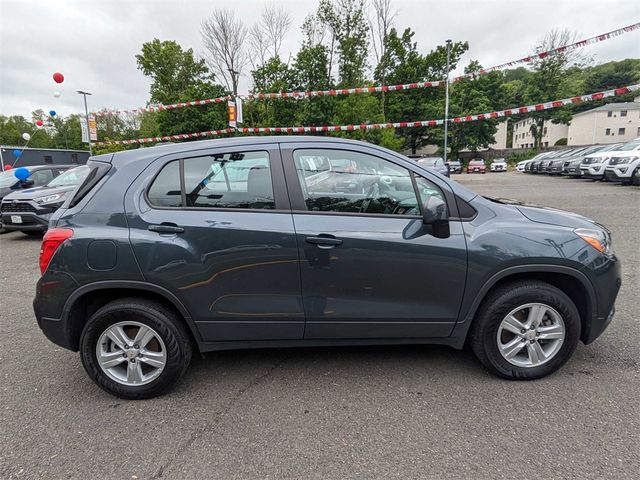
(611, 123)
(551, 133)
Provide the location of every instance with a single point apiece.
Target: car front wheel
(525, 330)
(135, 348)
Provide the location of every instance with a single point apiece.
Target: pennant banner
(373, 126)
(383, 88)
(555, 51)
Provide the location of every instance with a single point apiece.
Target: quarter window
(353, 182)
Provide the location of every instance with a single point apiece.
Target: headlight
(629, 160)
(56, 197)
(598, 239)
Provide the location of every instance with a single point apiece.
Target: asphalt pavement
(334, 413)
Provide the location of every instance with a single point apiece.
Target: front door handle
(166, 228)
(324, 241)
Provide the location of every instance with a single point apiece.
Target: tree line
(346, 43)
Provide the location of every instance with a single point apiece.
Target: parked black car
(455, 166)
(241, 243)
(39, 175)
(29, 210)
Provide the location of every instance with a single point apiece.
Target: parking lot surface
(374, 412)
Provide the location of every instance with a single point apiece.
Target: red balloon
(58, 77)
(39, 123)
(7, 167)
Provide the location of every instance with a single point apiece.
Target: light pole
(86, 117)
(234, 81)
(446, 101)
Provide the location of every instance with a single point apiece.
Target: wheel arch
(571, 281)
(89, 298)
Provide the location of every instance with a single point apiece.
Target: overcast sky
(93, 42)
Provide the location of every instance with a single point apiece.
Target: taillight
(50, 243)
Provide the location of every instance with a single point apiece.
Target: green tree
(554, 77)
(347, 23)
(311, 67)
(176, 76)
(273, 76)
(404, 65)
(474, 95)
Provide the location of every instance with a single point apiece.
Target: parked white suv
(623, 166)
(595, 165)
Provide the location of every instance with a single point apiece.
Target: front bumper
(591, 173)
(30, 221)
(618, 175)
(605, 276)
(571, 172)
(611, 176)
(26, 215)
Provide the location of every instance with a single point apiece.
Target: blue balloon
(21, 173)
(52, 113)
(17, 153)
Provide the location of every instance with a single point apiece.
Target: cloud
(93, 42)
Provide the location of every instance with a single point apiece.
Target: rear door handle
(324, 241)
(166, 228)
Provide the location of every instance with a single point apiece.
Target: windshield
(632, 145)
(7, 179)
(70, 178)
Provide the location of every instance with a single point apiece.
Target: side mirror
(436, 216)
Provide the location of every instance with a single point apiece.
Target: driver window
(346, 181)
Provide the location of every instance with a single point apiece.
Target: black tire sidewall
(177, 347)
(493, 314)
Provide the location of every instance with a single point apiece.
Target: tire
(499, 304)
(172, 338)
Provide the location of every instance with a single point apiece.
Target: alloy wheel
(531, 335)
(131, 353)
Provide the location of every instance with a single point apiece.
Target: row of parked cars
(618, 162)
(26, 205)
(476, 165)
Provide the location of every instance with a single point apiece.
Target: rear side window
(165, 190)
(230, 180)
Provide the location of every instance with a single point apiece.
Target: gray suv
(305, 241)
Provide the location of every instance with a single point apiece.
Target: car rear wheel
(135, 348)
(525, 330)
